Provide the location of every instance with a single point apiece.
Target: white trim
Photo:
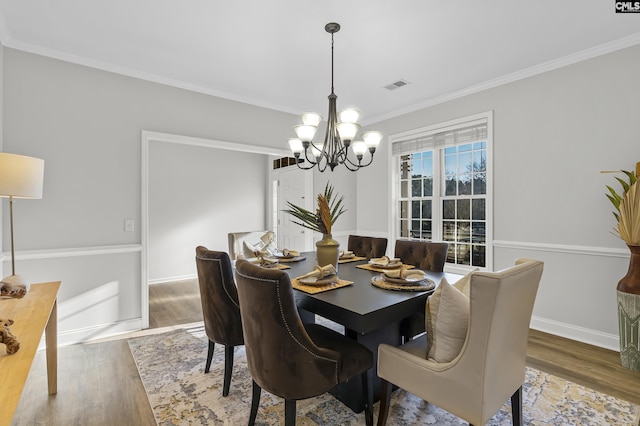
(73, 252)
(146, 138)
(563, 248)
(212, 143)
(142, 75)
(173, 279)
(87, 334)
(484, 117)
(569, 331)
(554, 64)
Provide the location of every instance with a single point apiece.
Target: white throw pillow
(447, 321)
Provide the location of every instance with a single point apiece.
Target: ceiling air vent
(396, 84)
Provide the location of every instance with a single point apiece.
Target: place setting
(321, 278)
(381, 264)
(347, 256)
(277, 259)
(403, 278)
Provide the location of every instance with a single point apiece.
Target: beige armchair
(490, 367)
(241, 243)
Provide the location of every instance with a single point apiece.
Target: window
(442, 187)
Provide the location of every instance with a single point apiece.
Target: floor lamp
(20, 177)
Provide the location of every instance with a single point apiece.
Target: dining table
(370, 314)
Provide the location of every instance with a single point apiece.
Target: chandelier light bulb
(349, 115)
(316, 151)
(311, 119)
(347, 131)
(359, 148)
(295, 145)
(372, 139)
(305, 133)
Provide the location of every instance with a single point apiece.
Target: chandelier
(342, 128)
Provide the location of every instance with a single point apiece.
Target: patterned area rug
(171, 366)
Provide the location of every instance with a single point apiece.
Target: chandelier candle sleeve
(342, 129)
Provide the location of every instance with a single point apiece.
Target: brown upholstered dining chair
(427, 255)
(287, 358)
(473, 378)
(369, 247)
(220, 307)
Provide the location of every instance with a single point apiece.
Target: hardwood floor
(98, 383)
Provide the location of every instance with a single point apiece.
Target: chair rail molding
(563, 248)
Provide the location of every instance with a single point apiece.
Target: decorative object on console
(328, 211)
(627, 214)
(20, 177)
(342, 128)
(7, 338)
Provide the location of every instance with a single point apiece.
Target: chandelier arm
(304, 168)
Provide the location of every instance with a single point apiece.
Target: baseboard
(591, 337)
(172, 279)
(84, 335)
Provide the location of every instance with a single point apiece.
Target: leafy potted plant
(329, 209)
(627, 214)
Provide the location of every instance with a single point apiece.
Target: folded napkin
(320, 272)
(345, 254)
(405, 274)
(267, 262)
(385, 261)
(289, 253)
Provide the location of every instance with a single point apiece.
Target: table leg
(51, 338)
(350, 393)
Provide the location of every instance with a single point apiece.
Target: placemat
(291, 259)
(274, 266)
(422, 285)
(313, 289)
(351, 259)
(369, 267)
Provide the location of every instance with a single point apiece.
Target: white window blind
(465, 133)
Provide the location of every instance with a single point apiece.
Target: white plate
(316, 281)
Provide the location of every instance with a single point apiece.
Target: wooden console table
(34, 313)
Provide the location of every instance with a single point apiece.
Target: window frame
(438, 195)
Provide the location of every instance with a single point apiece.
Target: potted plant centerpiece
(627, 214)
(328, 211)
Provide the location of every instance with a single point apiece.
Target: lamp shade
(21, 176)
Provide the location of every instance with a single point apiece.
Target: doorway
(149, 139)
(293, 185)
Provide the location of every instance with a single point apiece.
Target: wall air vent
(396, 84)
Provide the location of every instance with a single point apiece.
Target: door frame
(148, 137)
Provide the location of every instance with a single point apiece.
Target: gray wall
(197, 195)
(553, 133)
(86, 124)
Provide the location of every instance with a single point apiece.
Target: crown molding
(574, 58)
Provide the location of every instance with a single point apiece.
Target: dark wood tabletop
(361, 307)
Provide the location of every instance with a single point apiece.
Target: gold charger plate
(370, 267)
(422, 285)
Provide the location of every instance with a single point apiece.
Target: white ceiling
(277, 54)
